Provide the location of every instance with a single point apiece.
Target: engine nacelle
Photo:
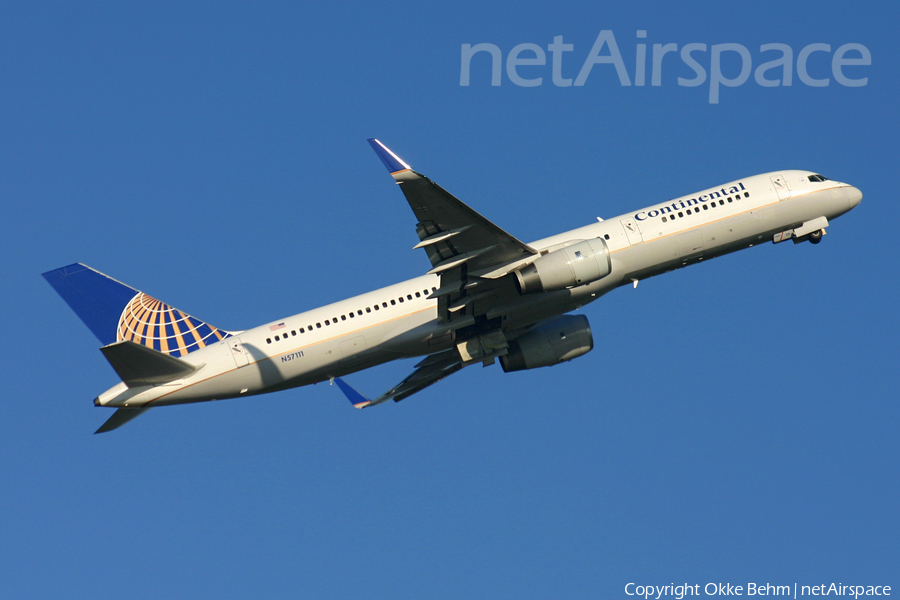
(549, 343)
(577, 264)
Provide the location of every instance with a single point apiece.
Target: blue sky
(736, 422)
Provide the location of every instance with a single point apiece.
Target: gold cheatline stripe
(722, 218)
(424, 309)
(274, 356)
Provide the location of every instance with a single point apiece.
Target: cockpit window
(818, 178)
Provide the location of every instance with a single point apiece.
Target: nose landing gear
(813, 237)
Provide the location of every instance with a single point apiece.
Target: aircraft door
(238, 352)
(631, 231)
(781, 187)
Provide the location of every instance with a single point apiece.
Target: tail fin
(114, 312)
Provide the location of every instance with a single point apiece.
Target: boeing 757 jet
(488, 296)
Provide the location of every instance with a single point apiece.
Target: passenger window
(746, 194)
(293, 332)
(393, 303)
(368, 310)
(606, 236)
(359, 312)
(729, 199)
(384, 304)
(351, 315)
(268, 340)
(343, 318)
(277, 338)
(434, 289)
(327, 322)
(681, 214)
(401, 299)
(688, 211)
(376, 307)
(721, 202)
(418, 295)
(302, 330)
(318, 326)
(665, 219)
(705, 207)
(409, 296)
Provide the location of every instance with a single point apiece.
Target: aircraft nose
(854, 196)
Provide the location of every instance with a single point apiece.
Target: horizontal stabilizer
(120, 417)
(140, 365)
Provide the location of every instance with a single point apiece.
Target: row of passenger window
(706, 206)
(351, 315)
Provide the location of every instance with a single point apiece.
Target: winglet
(394, 163)
(356, 399)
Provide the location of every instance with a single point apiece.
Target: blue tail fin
(115, 312)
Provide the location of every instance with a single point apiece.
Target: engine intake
(549, 343)
(574, 265)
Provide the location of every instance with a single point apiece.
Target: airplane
(488, 296)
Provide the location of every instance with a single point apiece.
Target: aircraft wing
(429, 371)
(466, 249)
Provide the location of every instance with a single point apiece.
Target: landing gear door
(781, 187)
(631, 231)
(238, 352)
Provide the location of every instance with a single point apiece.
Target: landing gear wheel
(815, 237)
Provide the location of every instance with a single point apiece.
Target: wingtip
(393, 162)
(355, 398)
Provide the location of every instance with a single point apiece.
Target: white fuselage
(400, 321)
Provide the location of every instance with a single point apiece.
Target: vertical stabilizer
(115, 312)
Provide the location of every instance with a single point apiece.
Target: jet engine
(549, 343)
(577, 264)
